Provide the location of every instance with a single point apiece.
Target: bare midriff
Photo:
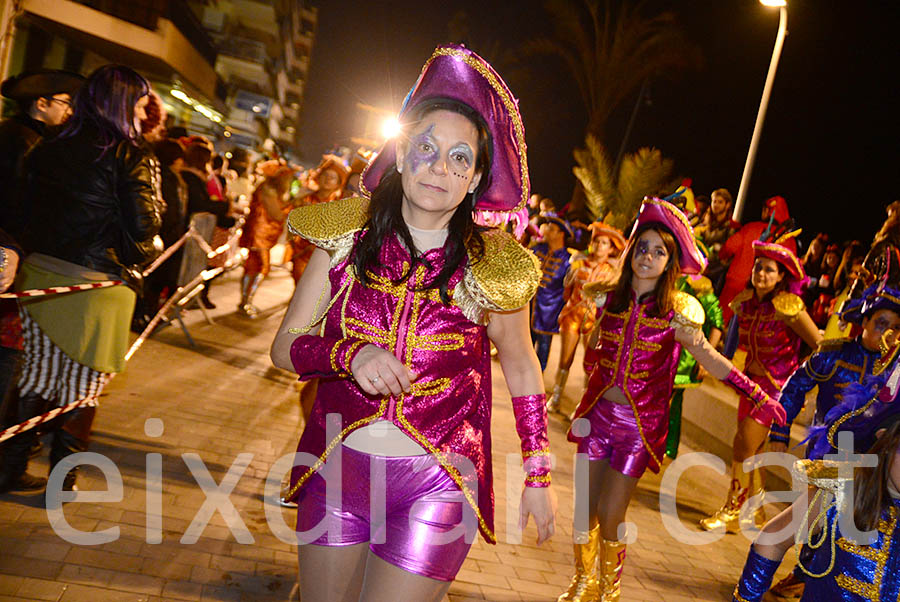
(616, 395)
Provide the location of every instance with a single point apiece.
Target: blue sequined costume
(859, 574)
(836, 364)
(549, 300)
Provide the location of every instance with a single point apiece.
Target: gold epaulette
(688, 311)
(788, 305)
(742, 296)
(505, 279)
(701, 284)
(598, 291)
(832, 344)
(324, 222)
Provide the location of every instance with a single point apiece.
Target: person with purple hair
(93, 210)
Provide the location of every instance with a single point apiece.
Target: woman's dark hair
(463, 236)
(218, 161)
(667, 283)
(197, 156)
(871, 495)
(168, 151)
(783, 285)
(106, 101)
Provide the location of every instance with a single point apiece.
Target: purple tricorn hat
(457, 73)
(655, 210)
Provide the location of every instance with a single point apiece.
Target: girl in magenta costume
(621, 423)
(402, 295)
(773, 322)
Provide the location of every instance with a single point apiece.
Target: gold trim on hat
(482, 67)
(783, 251)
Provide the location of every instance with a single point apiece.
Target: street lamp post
(763, 104)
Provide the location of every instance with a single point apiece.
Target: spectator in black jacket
(92, 194)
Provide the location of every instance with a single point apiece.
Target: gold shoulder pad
(832, 344)
(505, 279)
(788, 305)
(688, 310)
(742, 296)
(701, 284)
(323, 223)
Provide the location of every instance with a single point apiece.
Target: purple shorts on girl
(409, 510)
(615, 437)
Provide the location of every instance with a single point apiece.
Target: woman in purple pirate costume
(773, 323)
(400, 300)
(622, 421)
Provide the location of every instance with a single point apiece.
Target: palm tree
(616, 198)
(610, 53)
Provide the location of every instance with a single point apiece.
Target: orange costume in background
(576, 320)
(268, 213)
(301, 249)
(578, 315)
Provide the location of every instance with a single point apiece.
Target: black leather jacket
(17, 135)
(97, 210)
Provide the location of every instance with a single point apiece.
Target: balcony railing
(243, 48)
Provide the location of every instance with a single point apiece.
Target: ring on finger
(375, 380)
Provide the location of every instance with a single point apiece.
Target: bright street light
(763, 104)
(390, 127)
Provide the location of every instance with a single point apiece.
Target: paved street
(224, 402)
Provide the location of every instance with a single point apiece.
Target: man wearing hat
(44, 99)
(549, 300)
(836, 365)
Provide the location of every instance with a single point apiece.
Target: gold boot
(611, 564)
(728, 516)
(584, 586)
(553, 403)
(758, 516)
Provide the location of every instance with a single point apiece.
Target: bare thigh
(612, 494)
(332, 573)
(383, 581)
(749, 439)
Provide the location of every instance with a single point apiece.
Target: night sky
(830, 142)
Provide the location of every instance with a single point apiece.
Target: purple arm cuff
(315, 357)
(531, 426)
(756, 579)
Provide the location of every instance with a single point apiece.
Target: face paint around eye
(881, 325)
(643, 247)
(416, 156)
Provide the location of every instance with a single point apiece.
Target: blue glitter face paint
(422, 149)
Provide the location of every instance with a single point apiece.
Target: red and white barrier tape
(45, 417)
(55, 290)
(197, 281)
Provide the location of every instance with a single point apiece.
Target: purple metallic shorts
(414, 517)
(615, 436)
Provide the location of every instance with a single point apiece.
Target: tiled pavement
(223, 399)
